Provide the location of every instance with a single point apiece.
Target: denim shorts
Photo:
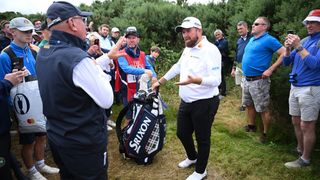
(256, 93)
(305, 102)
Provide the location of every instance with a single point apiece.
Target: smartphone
(290, 32)
(18, 63)
(96, 42)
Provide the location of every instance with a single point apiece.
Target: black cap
(132, 31)
(43, 26)
(61, 10)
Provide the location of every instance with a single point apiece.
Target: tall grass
(236, 154)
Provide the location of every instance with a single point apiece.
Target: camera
(18, 63)
(290, 32)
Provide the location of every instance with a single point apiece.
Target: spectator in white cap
(115, 33)
(200, 75)
(304, 96)
(33, 144)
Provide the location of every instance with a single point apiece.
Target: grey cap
(21, 23)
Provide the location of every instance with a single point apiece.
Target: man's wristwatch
(300, 48)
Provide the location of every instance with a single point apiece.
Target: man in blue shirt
(304, 99)
(33, 144)
(257, 70)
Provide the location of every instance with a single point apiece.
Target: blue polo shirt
(258, 54)
(306, 70)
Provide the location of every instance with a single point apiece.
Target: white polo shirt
(203, 60)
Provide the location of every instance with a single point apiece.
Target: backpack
(144, 136)
(13, 55)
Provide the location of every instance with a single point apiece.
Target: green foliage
(156, 21)
(167, 59)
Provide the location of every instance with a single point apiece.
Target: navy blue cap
(61, 10)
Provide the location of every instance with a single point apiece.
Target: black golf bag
(144, 136)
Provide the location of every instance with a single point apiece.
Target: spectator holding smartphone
(33, 144)
(304, 99)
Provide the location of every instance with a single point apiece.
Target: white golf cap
(189, 22)
(115, 29)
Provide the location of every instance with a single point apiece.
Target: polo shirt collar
(315, 35)
(200, 44)
(264, 34)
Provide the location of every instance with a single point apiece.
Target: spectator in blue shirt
(257, 70)
(304, 99)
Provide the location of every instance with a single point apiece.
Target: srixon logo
(135, 143)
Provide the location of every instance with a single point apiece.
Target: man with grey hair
(75, 91)
(222, 44)
(200, 75)
(257, 71)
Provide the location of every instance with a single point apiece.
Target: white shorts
(305, 102)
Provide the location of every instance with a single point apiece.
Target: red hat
(314, 15)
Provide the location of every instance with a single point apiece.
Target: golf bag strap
(119, 120)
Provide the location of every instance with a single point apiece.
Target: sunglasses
(257, 24)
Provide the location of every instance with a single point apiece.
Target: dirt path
(163, 167)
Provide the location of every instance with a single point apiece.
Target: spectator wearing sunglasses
(257, 70)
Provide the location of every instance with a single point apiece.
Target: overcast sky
(41, 6)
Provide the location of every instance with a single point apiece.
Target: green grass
(236, 154)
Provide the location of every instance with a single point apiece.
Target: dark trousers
(83, 163)
(197, 117)
(5, 157)
(223, 85)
